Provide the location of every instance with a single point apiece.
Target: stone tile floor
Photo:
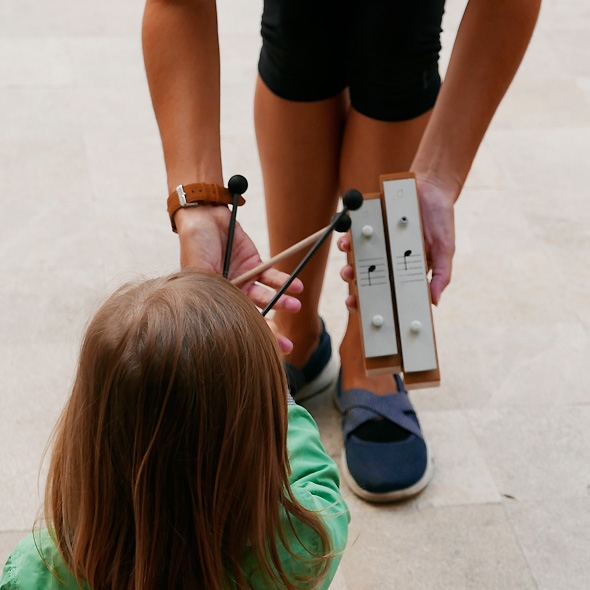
(83, 209)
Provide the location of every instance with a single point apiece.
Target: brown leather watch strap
(189, 195)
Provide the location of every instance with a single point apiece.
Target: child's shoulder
(300, 422)
(35, 564)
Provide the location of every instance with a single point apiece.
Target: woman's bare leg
(371, 148)
(299, 145)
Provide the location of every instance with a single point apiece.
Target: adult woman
(320, 134)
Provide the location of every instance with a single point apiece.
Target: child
(178, 461)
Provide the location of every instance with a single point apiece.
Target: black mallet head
(237, 185)
(343, 222)
(352, 199)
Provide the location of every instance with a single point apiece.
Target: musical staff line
(372, 272)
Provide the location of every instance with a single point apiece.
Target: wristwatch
(200, 193)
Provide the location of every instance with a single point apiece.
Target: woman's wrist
(198, 194)
(447, 191)
(188, 219)
(442, 161)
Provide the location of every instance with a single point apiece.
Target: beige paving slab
(543, 103)
(573, 14)
(550, 373)
(29, 114)
(548, 158)
(573, 48)
(485, 173)
(31, 170)
(537, 453)
(239, 59)
(48, 304)
(35, 381)
(459, 547)
(583, 83)
(81, 161)
(443, 398)
(461, 472)
(132, 165)
(108, 61)
(107, 112)
(103, 17)
(238, 18)
(517, 366)
(48, 232)
(577, 281)
(24, 18)
(495, 223)
(34, 61)
(557, 216)
(461, 475)
(21, 487)
(507, 289)
(135, 238)
(554, 538)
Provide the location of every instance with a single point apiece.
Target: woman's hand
(203, 236)
(347, 272)
(439, 239)
(438, 223)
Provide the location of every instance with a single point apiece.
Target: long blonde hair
(170, 458)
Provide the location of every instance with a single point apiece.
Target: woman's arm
(489, 47)
(181, 53)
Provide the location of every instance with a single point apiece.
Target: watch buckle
(181, 195)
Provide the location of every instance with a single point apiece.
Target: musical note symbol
(406, 254)
(369, 271)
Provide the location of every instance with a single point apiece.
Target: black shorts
(384, 51)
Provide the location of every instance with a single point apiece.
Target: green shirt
(314, 481)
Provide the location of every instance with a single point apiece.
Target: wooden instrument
(391, 284)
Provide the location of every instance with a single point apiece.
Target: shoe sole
(326, 379)
(395, 495)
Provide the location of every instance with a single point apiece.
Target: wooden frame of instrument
(391, 284)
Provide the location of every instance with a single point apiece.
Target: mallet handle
(281, 256)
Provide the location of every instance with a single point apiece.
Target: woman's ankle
(353, 365)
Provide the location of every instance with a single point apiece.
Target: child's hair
(170, 458)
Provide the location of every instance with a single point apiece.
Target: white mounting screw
(367, 231)
(377, 321)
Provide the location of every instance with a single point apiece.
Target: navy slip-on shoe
(317, 375)
(385, 455)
